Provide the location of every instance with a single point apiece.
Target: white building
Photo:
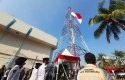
(20, 39)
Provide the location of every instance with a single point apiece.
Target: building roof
(14, 25)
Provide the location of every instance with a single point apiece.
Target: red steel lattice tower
(71, 37)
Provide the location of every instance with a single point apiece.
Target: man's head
(20, 61)
(3, 67)
(46, 60)
(90, 58)
(37, 65)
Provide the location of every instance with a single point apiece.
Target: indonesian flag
(78, 16)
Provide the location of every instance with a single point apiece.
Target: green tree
(111, 62)
(101, 59)
(111, 19)
(119, 56)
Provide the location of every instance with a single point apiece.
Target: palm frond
(112, 5)
(121, 25)
(115, 28)
(115, 32)
(108, 33)
(119, 53)
(121, 21)
(120, 4)
(100, 4)
(101, 9)
(116, 4)
(100, 29)
(97, 19)
(118, 13)
(116, 37)
(91, 22)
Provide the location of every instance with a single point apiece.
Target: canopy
(66, 55)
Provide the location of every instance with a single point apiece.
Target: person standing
(6, 74)
(2, 71)
(22, 73)
(14, 73)
(42, 70)
(91, 71)
(34, 72)
(28, 74)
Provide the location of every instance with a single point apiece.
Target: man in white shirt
(34, 72)
(41, 75)
(14, 73)
(91, 71)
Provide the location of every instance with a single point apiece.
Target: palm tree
(101, 59)
(119, 56)
(111, 19)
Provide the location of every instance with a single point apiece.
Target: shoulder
(15, 68)
(102, 70)
(41, 67)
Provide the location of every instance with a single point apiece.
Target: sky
(49, 16)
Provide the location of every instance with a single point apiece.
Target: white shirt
(92, 72)
(34, 74)
(41, 72)
(14, 73)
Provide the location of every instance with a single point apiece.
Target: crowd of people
(39, 72)
(18, 72)
(4, 72)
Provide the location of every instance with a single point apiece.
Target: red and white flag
(78, 16)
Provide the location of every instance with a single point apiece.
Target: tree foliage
(111, 19)
(115, 62)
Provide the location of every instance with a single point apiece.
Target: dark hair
(37, 65)
(90, 58)
(45, 59)
(3, 67)
(20, 61)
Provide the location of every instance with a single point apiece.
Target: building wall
(10, 44)
(38, 44)
(3, 59)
